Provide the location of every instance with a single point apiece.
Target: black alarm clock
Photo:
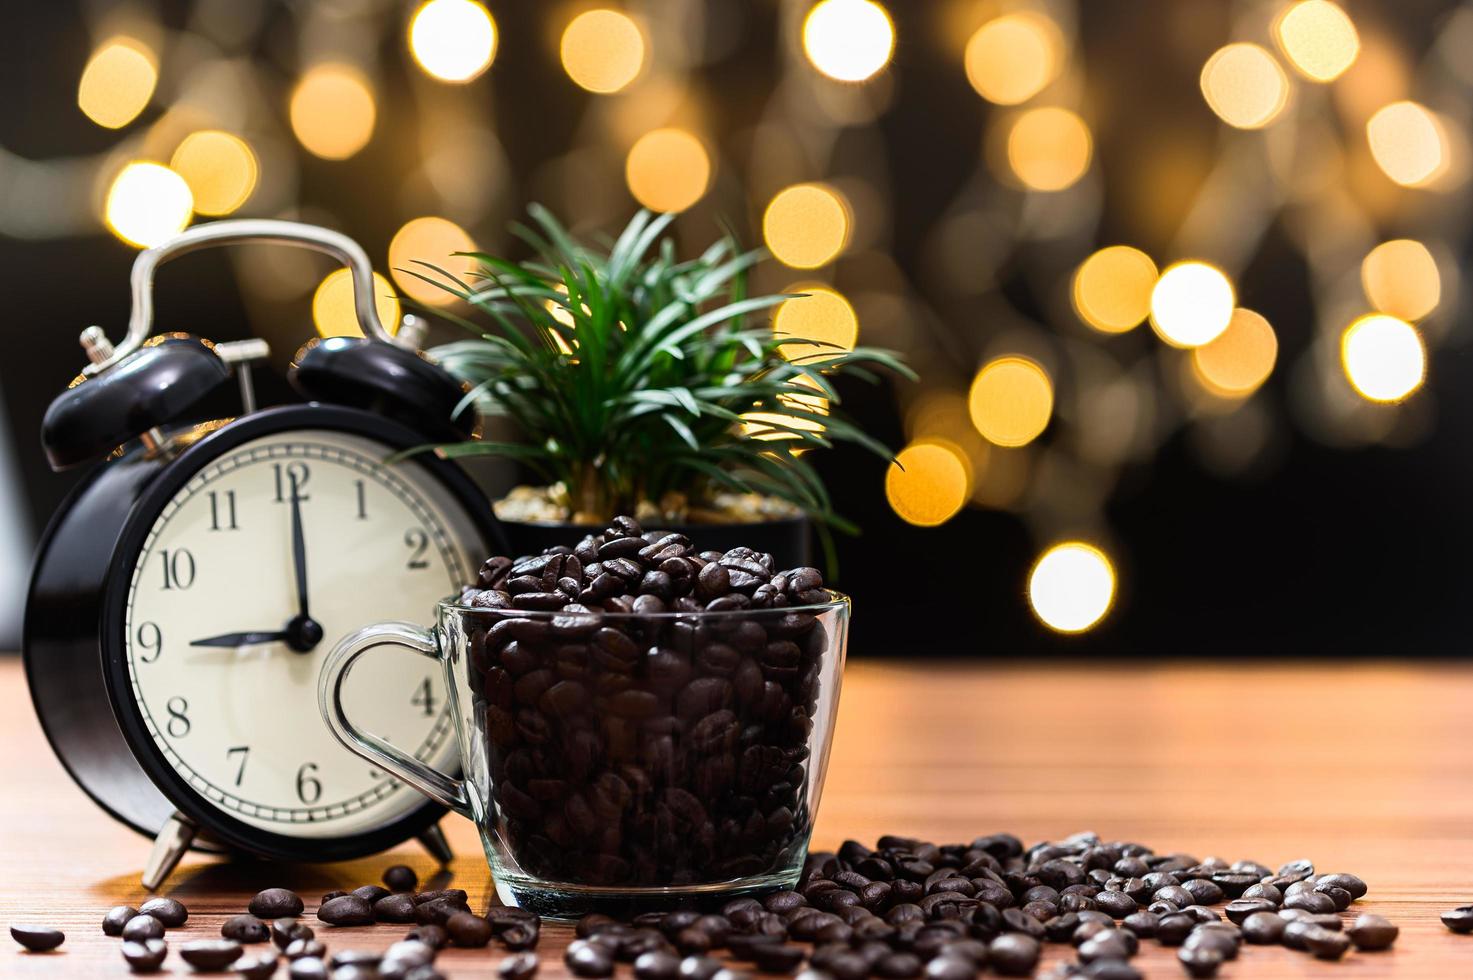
(185, 593)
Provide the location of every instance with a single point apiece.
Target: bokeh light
(148, 203)
(1241, 358)
(220, 169)
(927, 483)
(848, 40)
(823, 315)
(1408, 143)
(332, 111)
(1191, 304)
(1383, 358)
(1400, 277)
(668, 170)
(1071, 587)
(1012, 58)
(1245, 86)
(1112, 288)
(1011, 401)
(602, 50)
(806, 225)
(1049, 149)
(433, 240)
(118, 82)
(453, 40)
(759, 425)
(1318, 38)
(333, 311)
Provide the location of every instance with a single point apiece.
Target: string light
(668, 170)
(332, 111)
(220, 169)
(1071, 587)
(335, 315)
(1400, 278)
(1012, 58)
(433, 240)
(1245, 86)
(1192, 304)
(821, 314)
(1383, 358)
(806, 225)
(453, 40)
(848, 40)
(1318, 38)
(1011, 401)
(1049, 149)
(1241, 358)
(927, 483)
(118, 82)
(1112, 288)
(1408, 143)
(602, 50)
(148, 204)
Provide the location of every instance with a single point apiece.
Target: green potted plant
(644, 384)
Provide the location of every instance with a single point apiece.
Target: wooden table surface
(1364, 767)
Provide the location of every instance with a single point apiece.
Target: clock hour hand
(240, 639)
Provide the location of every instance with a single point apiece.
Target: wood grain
(1365, 768)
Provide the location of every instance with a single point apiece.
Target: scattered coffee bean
(1199, 961)
(171, 914)
(308, 968)
(37, 939)
(400, 878)
(305, 949)
(354, 957)
(1263, 928)
(1350, 883)
(1115, 904)
(1013, 954)
(116, 918)
(948, 967)
(1372, 932)
(523, 966)
(370, 893)
(259, 967)
(275, 903)
(468, 930)
(346, 910)
(433, 936)
(585, 959)
(146, 956)
(1240, 908)
(657, 965)
(1459, 919)
(285, 931)
(1310, 901)
(141, 928)
(210, 955)
(699, 968)
(245, 929)
(1324, 943)
(394, 908)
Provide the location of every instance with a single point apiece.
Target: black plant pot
(787, 540)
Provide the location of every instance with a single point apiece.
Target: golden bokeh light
(760, 425)
(1192, 304)
(220, 169)
(147, 204)
(1011, 401)
(668, 170)
(1408, 143)
(1049, 149)
(807, 225)
(333, 311)
(927, 483)
(1401, 278)
(822, 315)
(1383, 358)
(603, 50)
(1012, 58)
(1241, 358)
(433, 240)
(118, 82)
(453, 40)
(1245, 86)
(848, 40)
(1071, 587)
(332, 111)
(1318, 38)
(1112, 288)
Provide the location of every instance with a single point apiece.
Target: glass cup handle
(429, 781)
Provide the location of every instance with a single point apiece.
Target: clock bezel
(220, 825)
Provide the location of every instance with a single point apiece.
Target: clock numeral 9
(149, 638)
(178, 724)
(227, 512)
(244, 751)
(424, 697)
(417, 539)
(289, 477)
(309, 787)
(178, 569)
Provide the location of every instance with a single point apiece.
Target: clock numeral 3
(178, 568)
(227, 512)
(244, 751)
(151, 639)
(417, 539)
(309, 787)
(424, 697)
(178, 724)
(288, 476)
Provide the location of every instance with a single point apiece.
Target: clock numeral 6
(418, 540)
(178, 724)
(309, 787)
(149, 638)
(288, 477)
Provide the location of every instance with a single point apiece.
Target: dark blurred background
(1254, 502)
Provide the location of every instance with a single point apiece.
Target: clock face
(223, 659)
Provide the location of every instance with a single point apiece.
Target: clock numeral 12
(309, 787)
(289, 478)
(245, 753)
(228, 513)
(417, 539)
(178, 568)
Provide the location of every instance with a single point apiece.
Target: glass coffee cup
(619, 763)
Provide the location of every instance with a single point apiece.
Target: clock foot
(168, 847)
(434, 841)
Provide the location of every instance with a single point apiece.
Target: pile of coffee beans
(647, 708)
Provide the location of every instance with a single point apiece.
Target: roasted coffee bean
(354, 957)
(518, 966)
(146, 956)
(585, 959)
(947, 967)
(259, 967)
(400, 878)
(210, 955)
(116, 918)
(329, 896)
(285, 931)
(699, 968)
(394, 908)
(370, 893)
(1013, 954)
(780, 957)
(304, 949)
(307, 968)
(519, 936)
(468, 930)
(170, 913)
(245, 929)
(657, 965)
(1104, 945)
(1263, 928)
(275, 903)
(1143, 924)
(1175, 894)
(1267, 893)
(1336, 894)
(1117, 905)
(1310, 901)
(1218, 937)
(1459, 919)
(1204, 891)
(1324, 944)
(1372, 932)
(433, 936)
(1240, 908)
(897, 966)
(346, 910)
(1173, 929)
(1199, 961)
(37, 939)
(141, 928)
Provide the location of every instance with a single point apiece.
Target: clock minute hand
(299, 553)
(240, 639)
